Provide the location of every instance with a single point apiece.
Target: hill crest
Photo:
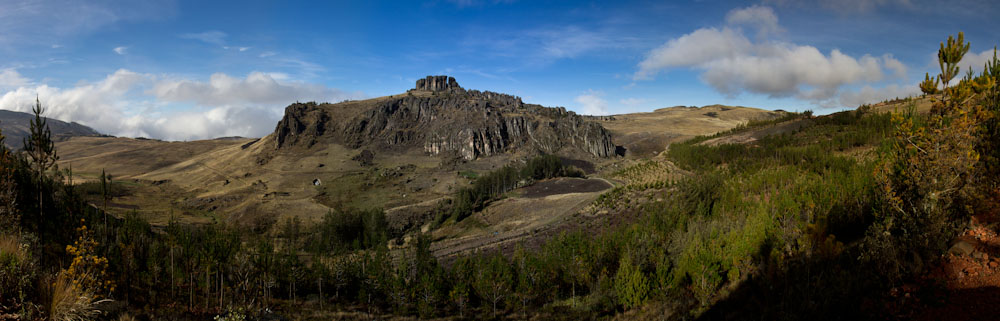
(16, 127)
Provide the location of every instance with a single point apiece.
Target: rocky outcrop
(437, 83)
(471, 124)
(302, 121)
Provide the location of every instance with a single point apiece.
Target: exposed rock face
(302, 120)
(470, 123)
(437, 83)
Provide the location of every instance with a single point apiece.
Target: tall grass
(68, 302)
(11, 245)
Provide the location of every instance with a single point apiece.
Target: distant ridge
(17, 125)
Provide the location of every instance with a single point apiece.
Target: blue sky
(183, 70)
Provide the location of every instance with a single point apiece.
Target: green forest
(792, 226)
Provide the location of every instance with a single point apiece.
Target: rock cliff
(440, 117)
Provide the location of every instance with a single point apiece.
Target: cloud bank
(732, 64)
(132, 104)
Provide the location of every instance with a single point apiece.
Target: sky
(188, 70)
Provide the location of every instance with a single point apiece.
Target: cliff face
(441, 117)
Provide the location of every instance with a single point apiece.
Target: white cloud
(214, 37)
(870, 95)
(897, 67)
(732, 64)
(242, 49)
(121, 50)
(10, 78)
(759, 17)
(697, 48)
(974, 60)
(256, 88)
(132, 104)
(592, 104)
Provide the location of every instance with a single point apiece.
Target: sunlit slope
(647, 134)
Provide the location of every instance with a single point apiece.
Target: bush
(927, 181)
(17, 273)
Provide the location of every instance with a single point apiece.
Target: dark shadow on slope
(839, 288)
(966, 304)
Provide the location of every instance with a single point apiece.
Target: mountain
(16, 127)
(442, 118)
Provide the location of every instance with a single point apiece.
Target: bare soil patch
(564, 185)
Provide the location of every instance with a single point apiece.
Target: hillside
(384, 152)
(394, 152)
(647, 134)
(17, 125)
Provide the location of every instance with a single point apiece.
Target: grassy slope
(796, 193)
(647, 134)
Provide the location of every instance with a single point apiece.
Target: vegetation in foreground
(819, 222)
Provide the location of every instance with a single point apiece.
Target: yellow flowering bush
(88, 270)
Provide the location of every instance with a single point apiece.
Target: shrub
(926, 182)
(17, 272)
(88, 270)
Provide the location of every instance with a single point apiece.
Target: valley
(499, 160)
(302, 171)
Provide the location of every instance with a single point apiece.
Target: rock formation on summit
(449, 119)
(437, 83)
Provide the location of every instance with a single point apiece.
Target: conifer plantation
(826, 221)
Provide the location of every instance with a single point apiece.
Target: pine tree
(493, 281)
(948, 57)
(631, 285)
(41, 150)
